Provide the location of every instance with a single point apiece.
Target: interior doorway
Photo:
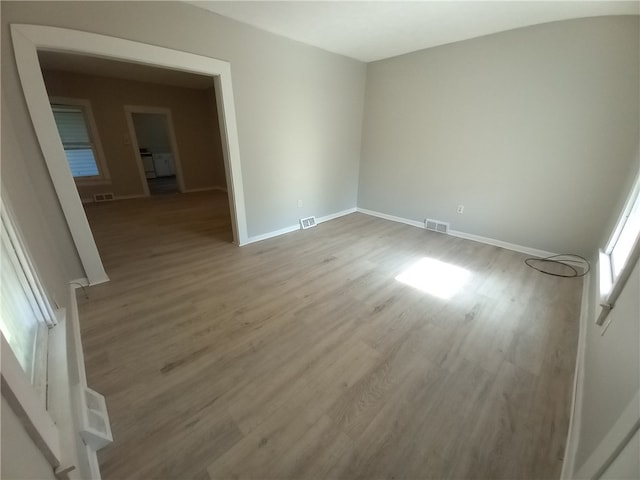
(29, 39)
(153, 141)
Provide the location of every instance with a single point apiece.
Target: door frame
(27, 39)
(129, 111)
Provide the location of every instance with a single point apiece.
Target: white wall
(532, 130)
(627, 464)
(299, 109)
(611, 363)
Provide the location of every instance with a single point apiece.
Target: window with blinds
(74, 133)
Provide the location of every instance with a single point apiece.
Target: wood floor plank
(302, 357)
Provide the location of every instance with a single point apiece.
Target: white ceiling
(370, 31)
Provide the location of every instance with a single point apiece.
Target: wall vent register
(307, 222)
(103, 197)
(436, 226)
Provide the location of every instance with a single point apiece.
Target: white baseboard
(129, 197)
(79, 282)
(534, 252)
(293, 228)
(205, 189)
(575, 419)
(275, 233)
(468, 236)
(333, 216)
(393, 218)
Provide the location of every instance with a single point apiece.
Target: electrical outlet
(460, 209)
(299, 203)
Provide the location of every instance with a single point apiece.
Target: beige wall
(27, 186)
(532, 130)
(196, 130)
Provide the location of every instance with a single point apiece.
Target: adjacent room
(139, 132)
(340, 240)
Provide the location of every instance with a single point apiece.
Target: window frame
(39, 360)
(28, 397)
(34, 291)
(103, 176)
(611, 284)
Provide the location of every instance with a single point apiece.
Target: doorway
(153, 141)
(28, 39)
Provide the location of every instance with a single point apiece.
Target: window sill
(66, 371)
(610, 288)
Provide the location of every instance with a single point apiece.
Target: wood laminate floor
(302, 356)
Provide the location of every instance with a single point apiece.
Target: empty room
(303, 240)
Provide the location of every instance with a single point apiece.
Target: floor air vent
(95, 429)
(307, 222)
(436, 226)
(103, 197)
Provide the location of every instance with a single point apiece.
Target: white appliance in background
(164, 164)
(147, 163)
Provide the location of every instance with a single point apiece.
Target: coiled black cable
(567, 260)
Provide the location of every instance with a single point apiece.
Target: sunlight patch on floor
(434, 277)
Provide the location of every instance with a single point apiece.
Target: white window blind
(72, 127)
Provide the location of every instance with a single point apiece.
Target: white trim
(293, 228)
(35, 293)
(333, 216)
(26, 266)
(74, 324)
(59, 401)
(613, 442)
(206, 189)
(393, 218)
(27, 39)
(26, 405)
(634, 192)
(25, 43)
(275, 233)
(499, 243)
(468, 236)
(575, 419)
(94, 137)
(129, 111)
(118, 197)
(129, 197)
(231, 155)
